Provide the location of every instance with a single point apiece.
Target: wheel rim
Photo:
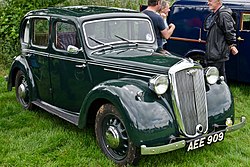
(23, 92)
(115, 137)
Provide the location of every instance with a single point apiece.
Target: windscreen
(117, 31)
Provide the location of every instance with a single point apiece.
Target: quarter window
(41, 32)
(26, 32)
(65, 35)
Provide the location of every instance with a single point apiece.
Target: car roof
(236, 4)
(79, 11)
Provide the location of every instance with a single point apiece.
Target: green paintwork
(78, 83)
(153, 115)
(79, 11)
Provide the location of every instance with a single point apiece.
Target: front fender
(146, 117)
(220, 104)
(20, 63)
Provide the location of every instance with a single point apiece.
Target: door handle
(80, 66)
(240, 39)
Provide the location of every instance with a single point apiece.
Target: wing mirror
(73, 49)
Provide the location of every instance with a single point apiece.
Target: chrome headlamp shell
(212, 75)
(159, 84)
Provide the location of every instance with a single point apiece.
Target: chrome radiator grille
(189, 95)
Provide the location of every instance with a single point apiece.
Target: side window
(65, 35)
(26, 32)
(40, 32)
(245, 25)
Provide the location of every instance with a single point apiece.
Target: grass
(37, 138)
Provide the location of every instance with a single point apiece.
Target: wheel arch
(195, 52)
(20, 63)
(140, 117)
(196, 55)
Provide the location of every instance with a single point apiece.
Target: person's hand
(171, 25)
(234, 50)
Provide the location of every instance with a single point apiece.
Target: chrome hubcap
(112, 137)
(22, 91)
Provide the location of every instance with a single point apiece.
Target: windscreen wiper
(124, 39)
(99, 42)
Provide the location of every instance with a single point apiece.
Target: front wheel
(112, 136)
(23, 93)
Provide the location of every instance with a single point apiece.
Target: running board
(58, 111)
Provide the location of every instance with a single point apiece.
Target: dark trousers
(221, 67)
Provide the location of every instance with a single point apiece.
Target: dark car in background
(189, 16)
(98, 64)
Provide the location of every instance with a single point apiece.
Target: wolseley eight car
(87, 63)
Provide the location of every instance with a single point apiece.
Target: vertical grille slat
(188, 90)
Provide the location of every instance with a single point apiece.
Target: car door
(243, 46)
(37, 55)
(70, 79)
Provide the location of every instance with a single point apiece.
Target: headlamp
(212, 75)
(159, 84)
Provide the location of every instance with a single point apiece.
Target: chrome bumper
(180, 144)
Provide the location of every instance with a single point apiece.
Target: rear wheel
(23, 93)
(113, 138)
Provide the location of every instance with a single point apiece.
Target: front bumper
(180, 144)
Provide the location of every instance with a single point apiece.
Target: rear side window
(26, 32)
(40, 32)
(245, 25)
(66, 35)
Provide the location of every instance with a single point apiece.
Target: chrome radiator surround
(189, 97)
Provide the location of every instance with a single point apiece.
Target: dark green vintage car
(98, 64)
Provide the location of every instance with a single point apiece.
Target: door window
(41, 32)
(245, 25)
(65, 35)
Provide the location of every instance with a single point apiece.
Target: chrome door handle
(80, 66)
(240, 39)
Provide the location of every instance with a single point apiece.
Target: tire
(112, 136)
(23, 92)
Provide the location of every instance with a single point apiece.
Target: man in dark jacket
(221, 36)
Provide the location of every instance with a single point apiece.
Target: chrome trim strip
(56, 56)
(44, 54)
(122, 68)
(138, 75)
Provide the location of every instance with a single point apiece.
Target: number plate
(205, 140)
